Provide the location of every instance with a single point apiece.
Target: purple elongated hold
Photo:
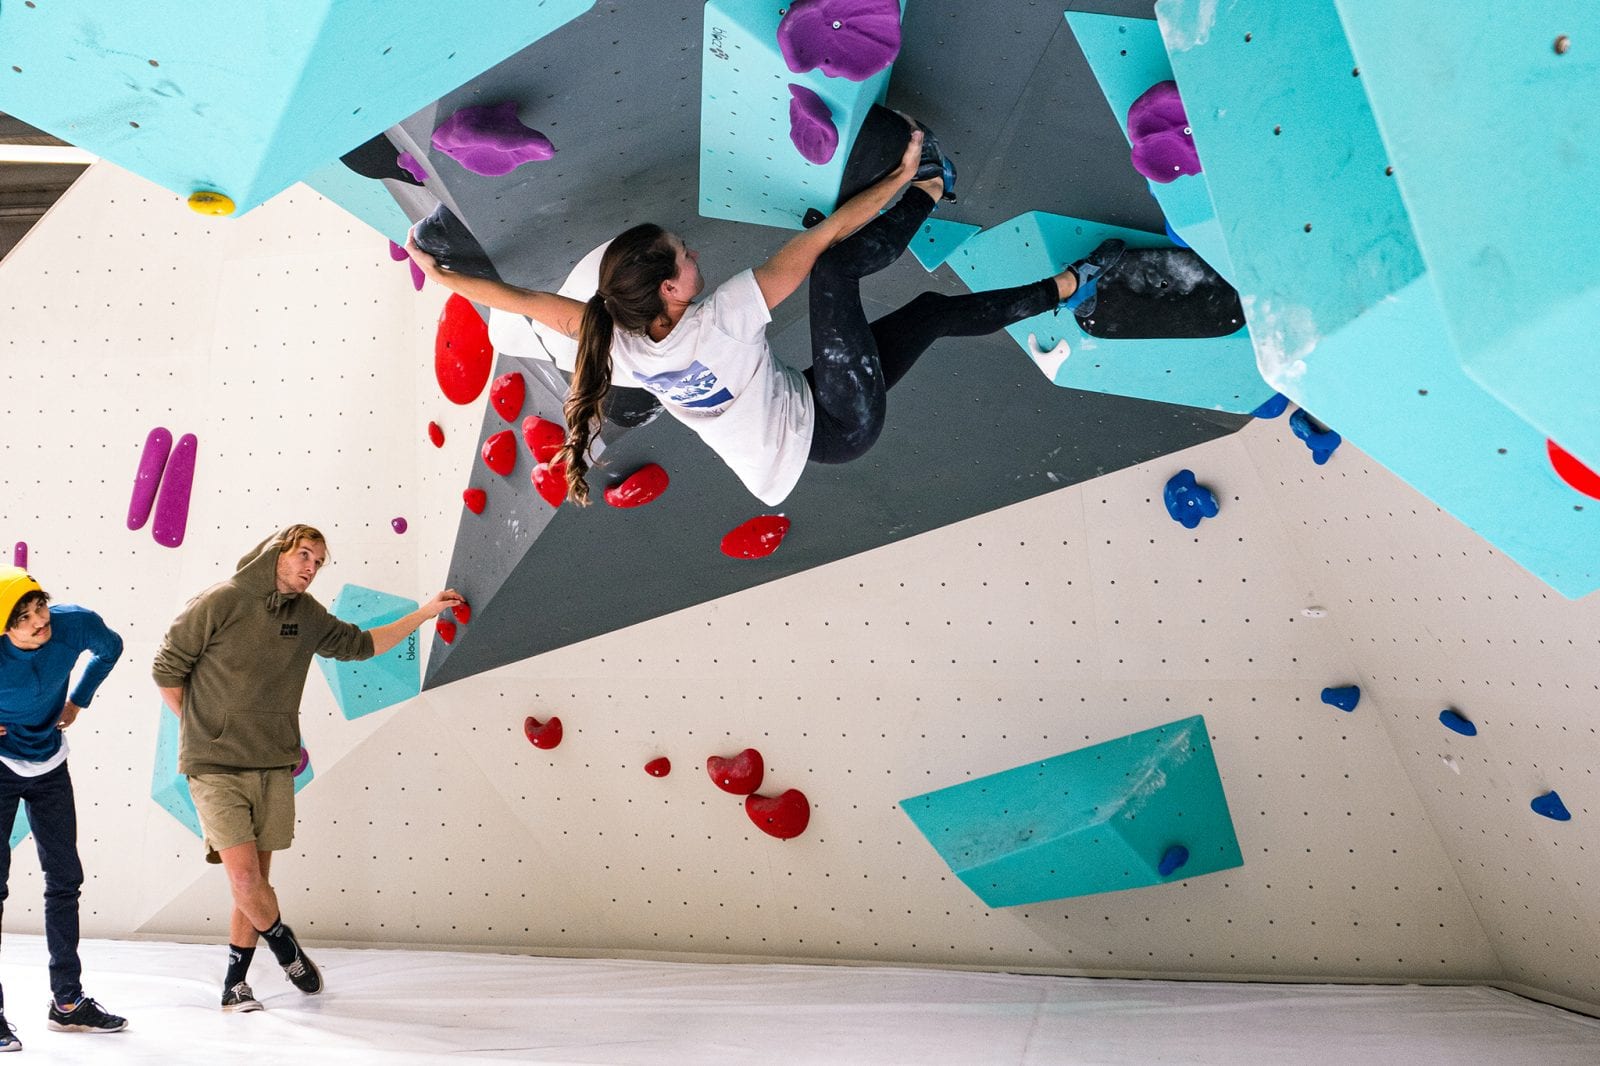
(152, 461)
(1158, 128)
(491, 139)
(409, 163)
(19, 555)
(811, 125)
(397, 253)
(851, 39)
(172, 506)
(417, 276)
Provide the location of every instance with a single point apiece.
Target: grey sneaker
(240, 1000)
(86, 1016)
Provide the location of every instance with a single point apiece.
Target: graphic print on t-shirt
(693, 386)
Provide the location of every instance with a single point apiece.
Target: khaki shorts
(242, 806)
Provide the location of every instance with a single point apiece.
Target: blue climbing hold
(1187, 501)
(1452, 720)
(1273, 407)
(1345, 697)
(1172, 235)
(1173, 860)
(1321, 440)
(1551, 807)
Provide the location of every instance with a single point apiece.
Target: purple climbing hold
(409, 163)
(19, 555)
(172, 506)
(811, 125)
(417, 276)
(397, 253)
(152, 461)
(1551, 807)
(1158, 128)
(491, 139)
(1173, 860)
(1345, 697)
(398, 524)
(851, 39)
(305, 761)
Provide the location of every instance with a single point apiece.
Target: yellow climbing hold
(210, 203)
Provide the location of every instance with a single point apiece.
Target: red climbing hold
(507, 394)
(463, 612)
(500, 452)
(551, 481)
(740, 775)
(476, 500)
(756, 538)
(462, 353)
(544, 437)
(641, 486)
(782, 816)
(1574, 473)
(436, 434)
(658, 767)
(446, 629)
(542, 734)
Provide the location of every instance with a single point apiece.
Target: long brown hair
(629, 298)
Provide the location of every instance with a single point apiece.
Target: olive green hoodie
(240, 652)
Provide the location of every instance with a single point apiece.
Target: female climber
(709, 362)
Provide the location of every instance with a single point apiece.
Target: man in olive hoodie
(233, 668)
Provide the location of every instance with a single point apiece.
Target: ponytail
(632, 270)
(591, 380)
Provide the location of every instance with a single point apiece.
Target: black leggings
(854, 363)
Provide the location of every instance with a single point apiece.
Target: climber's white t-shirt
(717, 375)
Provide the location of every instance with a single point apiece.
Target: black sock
(238, 964)
(281, 940)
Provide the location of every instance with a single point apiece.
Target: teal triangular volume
(247, 99)
(384, 680)
(21, 827)
(170, 789)
(1216, 373)
(750, 171)
(1098, 819)
(937, 239)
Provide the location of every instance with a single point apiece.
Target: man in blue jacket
(40, 649)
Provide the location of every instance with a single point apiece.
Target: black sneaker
(303, 973)
(240, 1000)
(8, 1036)
(85, 1017)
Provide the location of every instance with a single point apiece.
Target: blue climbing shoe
(1088, 271)
(934, 163)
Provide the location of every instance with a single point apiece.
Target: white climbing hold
(1048, 361)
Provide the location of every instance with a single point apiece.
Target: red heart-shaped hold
(740, 775)
(463, 612)
(551, 481)
(500, 452)
(658, 767)
(476, 500)
(542, 734)
(436, 434)
(641, 486)
(446, 628)
(544, 437)
(1570, 470)
(782, 816)
(506, 394)
(462, 353)
(756, 538)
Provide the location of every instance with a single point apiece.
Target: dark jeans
(54, 817)
(854, 363)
